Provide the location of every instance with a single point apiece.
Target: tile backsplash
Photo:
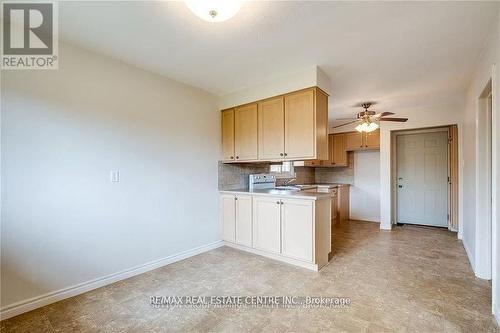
(336, 175)
(235, 176)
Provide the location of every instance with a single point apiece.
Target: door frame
(486, 177)
(453, 191)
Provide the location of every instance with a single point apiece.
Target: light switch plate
(115, 176)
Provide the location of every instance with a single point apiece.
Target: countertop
(280, 193)
(330, 185)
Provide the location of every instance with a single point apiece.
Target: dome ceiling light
(214, 10)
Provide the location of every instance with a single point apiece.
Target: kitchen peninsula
(283, 224)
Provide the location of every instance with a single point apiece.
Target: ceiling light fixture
(214, 10)
(367, 126)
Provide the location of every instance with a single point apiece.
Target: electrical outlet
(115, 176)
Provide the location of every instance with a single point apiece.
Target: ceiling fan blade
(347, 118)
(383, 114)
(351, 122)
(401, 120)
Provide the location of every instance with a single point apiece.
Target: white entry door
(422, 178)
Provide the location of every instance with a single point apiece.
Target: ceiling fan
(368, 119)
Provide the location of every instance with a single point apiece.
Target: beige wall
(300, 79)
(63, 222)
(476, 227)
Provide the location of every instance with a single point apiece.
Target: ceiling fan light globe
(214, 10)
(372, 127)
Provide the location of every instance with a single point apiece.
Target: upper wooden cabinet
(362, 141)
(339, 151)
(299, 125)
(354, 141)
(293, 126)
(227, 129)
(372, 140)
(272, 129)
(245, 132)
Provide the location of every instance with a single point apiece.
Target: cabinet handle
(232, 157)
(286, 154)
(278, 202)
(235, 198)
(281, 154)
(237, 157)
(281, 202)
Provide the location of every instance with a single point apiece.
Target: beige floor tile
(412, 279)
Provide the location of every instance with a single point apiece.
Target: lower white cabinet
(236, 218)
(244, 220)
(266, 224)
(297, 222)
(293, 230)
(228, 217)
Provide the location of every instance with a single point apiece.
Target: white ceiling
(383, 51)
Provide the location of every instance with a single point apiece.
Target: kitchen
(285, 177)
(265, 114)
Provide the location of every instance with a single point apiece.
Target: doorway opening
(484, 180)
(425, 177)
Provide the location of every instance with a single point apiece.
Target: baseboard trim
(295, 262)
(496, 314)
(58, 295)
(385, 227)
(470, 257)
(363, 220)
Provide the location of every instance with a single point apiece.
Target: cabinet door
(297, 229)
(354, 141)
(339, 150)
(299, 125)
(266, 224)
(271, 129)
(244, 220)
(334, 207)
(343, 203)
(227, 129)
(228, 217)
(330, 161)
(245, 132)
(372, 140)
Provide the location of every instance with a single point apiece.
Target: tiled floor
(412, 279)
